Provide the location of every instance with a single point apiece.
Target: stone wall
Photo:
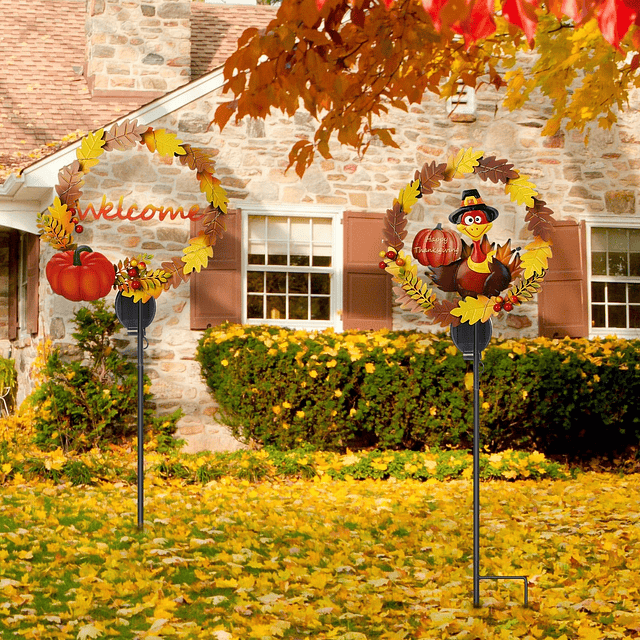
(138, 45)
(600, 179)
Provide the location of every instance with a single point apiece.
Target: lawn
(320, 558)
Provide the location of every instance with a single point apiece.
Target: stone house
(297, 252)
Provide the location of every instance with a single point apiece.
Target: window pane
(321, 261)
(299, 307)
(320, 308)
(300, 255)
(322, 230)
(597, 315)
(634, 316)
(298, 283)
(278, 228)
(277, 253)
(599, 264)
(634, 264)
(634, 248)
(618, 240)
(617, 292)
(598, 240)
(617, 264)
(255, 307)
(276, 282)
(634, 293)
(300, 230)
(617, 315)
(256, 227)
(597, 291)
(276, 307)
(255, 281)
(320, 283)
(255, 259)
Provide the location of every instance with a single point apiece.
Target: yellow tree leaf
(90, 150)
(166, 144)
(474, 310)
(535, 259)
(463, 162)
(521, 190)
(197, 254)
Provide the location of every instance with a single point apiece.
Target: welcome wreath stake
(479, 274)
(78, 273)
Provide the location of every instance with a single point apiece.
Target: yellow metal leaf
(166, 144)
(208, 184)
(57, 228)
(138, 295)
(197, 254)
(535, 259)
(521, 190)
(409, 195)
(474, 310)
(463, 162)
(90, 150)
(219, 198)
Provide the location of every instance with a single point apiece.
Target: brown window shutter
(366, 287)
(216, 291)
(563, 303)
(14, 266)
(32, 247)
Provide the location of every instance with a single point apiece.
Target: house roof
(45, 96)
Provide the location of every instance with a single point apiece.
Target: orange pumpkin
(81, 274)
(436, 247)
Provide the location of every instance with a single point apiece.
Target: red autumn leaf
(614, 20)
(522, 14)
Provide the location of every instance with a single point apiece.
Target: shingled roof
(45, 96)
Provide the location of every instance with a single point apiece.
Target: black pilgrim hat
(471, 201)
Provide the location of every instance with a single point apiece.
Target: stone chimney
(138, 46)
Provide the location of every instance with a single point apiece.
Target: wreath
(79, 273)
(527, 270)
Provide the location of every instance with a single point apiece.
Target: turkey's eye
(478, 219)
(467, 220)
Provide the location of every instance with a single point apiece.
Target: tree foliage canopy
(349, 61)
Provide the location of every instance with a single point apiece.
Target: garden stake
(472, 343)
(136, 317)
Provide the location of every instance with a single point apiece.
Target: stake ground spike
(472, 340)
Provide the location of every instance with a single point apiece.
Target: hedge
(411, 390)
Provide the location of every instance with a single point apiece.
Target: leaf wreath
(57, 228)
(413, 294)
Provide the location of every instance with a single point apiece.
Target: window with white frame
(463, 101)
(23, 281)
(289, 268)
(615, 279)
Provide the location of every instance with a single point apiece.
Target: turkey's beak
(475, 231)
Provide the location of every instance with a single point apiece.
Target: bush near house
(394, 390)
(91, 400)
(8, 381)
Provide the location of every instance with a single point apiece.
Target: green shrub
(92, 400)
(409, 390)
(8, 380)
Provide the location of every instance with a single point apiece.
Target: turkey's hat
(471, 201)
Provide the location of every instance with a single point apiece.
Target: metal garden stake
(136, 317)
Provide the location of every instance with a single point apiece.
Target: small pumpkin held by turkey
(436, 247)
(80, 274)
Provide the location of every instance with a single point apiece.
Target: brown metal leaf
(540, 219)
(394, 223)
(176, 269)
(405, 301)
(214, 224)
(69, 183)
(441, 314)
(431, 176)
(495, 170)
(197, 160)
(124, 136)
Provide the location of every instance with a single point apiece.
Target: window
(22, 283)
(290, 268)
(615, 280)
(461, 107)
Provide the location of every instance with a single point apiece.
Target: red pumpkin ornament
(436, 247)
(81, 274)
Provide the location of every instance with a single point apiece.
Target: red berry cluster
(505, 303)
(390, 255)
(76, 221)
(135, 270)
